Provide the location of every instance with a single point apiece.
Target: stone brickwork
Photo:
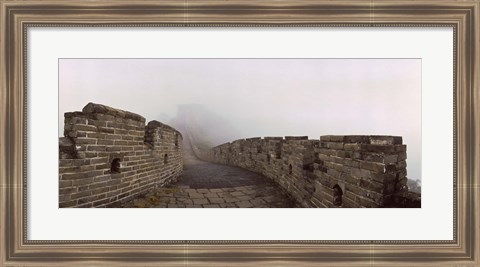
(108, 156)
(335, 171)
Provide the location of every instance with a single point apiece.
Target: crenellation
(334, 171)
(99, 137)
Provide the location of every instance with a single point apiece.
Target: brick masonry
(335, 171)
(109, 156)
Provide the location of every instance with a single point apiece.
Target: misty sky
(260, 97)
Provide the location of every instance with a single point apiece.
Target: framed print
(353, 123)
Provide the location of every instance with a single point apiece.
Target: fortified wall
(335, 171)
(109, 156)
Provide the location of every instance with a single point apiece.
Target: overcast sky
(260, 97)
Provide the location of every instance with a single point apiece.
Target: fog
(240, 98)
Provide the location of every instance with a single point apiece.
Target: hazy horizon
(259, 97)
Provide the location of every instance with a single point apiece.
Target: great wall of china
(109, 156)
(346, 171)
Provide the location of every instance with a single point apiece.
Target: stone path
(209, 185)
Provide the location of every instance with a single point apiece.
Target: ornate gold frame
(16, 16)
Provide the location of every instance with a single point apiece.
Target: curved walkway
(209, 185)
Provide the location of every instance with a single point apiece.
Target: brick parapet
(368, 171)
(98, 138)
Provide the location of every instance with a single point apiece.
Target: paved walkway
(209, 185)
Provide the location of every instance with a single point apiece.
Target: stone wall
(335, 171)
(109, 156)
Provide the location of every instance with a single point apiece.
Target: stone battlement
(334, 171)
(108, 156)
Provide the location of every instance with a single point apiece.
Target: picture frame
(17, 16)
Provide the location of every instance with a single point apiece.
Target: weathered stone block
(81, 182)
(85, 128)
(96, 148)
(113, 148)
(378, 148)
(371, 185)
(97, 123)
(85, 141)
(351, 163)
(356, 139)
(394, 167)
(76, 121)
(373, 166)
(270, 138)
(334, 145)
(402, 156)
(106, 130)
(81, 194)
(72, 176)
(93, 173)
(361, 173)
(327, 152)
(385, 140)
(383, 177)
(332, 138)
(295, 138)
(96, 135)
(103, 117)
